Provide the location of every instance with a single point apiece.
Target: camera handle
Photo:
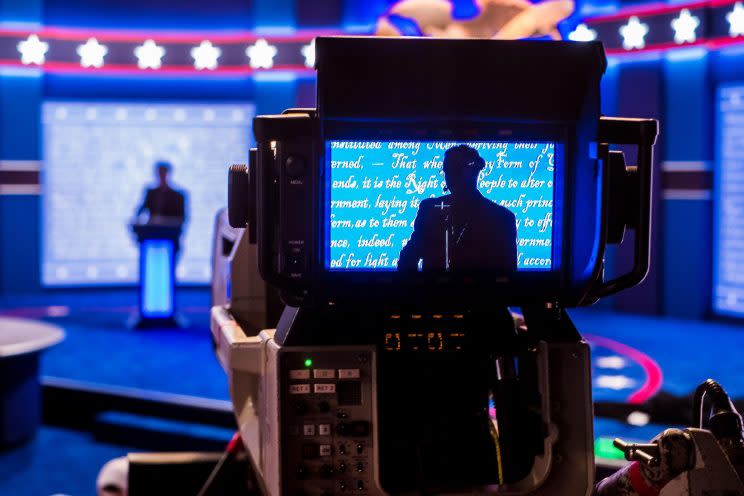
(627, 197)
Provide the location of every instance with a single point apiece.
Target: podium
(157, 243)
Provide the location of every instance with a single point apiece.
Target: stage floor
(100, 348)
(633, 357)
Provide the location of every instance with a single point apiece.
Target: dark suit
(477, 234)
(165, 202)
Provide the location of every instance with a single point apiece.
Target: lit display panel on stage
(385, 211)
(728, 284)
(98, 161)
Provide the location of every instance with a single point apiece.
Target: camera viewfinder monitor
(447, 206)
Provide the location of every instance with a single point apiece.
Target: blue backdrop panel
(609, 88)
(306, 93)
(152, 88)
(319, 13)
(273, 14)
(728, 64)
(20, 94)
(688, 133)
(363, 15)
(21, 10)
(728, 292)
(687, 251)
(640, 95)
(187, 14)
(19, 232)
(275, 92)
(687, 213)
(99, 158)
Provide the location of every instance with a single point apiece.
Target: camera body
(377, 100)
(437, 183)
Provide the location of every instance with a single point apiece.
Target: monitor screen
(100, 160)
(435, 205)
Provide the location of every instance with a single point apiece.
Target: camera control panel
(328, 445)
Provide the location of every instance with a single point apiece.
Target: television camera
(427, 225)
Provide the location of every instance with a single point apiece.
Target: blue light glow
(636, 57)
(732, 51)
(685, 54)
(21, 72)
(157, 283)
(20, 25)
(276, 77)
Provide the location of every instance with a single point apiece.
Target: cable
(495, 437)
(234, 447)
(720, 402)
(723, 421)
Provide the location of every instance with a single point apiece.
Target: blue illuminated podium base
(157, 276)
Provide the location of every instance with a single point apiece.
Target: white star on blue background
(684, 27)
(261, 54)
(582, 33)
(149, 55)
(33, 50)
(735, 19)
(308, 51)
(92, 53)
(205, 56)
(634, 34)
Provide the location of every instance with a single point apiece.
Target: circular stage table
(21, 343)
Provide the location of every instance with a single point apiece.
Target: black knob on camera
(241, 196)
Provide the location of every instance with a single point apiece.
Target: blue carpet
(56, 461)
(688, 352)
(100, 348)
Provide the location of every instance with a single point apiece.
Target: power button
(296, 263)
(294, 166)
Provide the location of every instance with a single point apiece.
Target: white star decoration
(633, 34)
(149, 55)
(261, 54)
(735, 19)
(205, 56)
(582, 33)
(308, 51)
(684, 27)
(33, 50)
(92, 53)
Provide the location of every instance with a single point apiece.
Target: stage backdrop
(98, 160)
(728, 276)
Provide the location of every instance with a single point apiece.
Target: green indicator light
(603, 448)
(308, 362)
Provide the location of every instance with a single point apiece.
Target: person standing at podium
(165, 205)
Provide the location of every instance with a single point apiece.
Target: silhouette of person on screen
(464, 229)
(165, 205)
